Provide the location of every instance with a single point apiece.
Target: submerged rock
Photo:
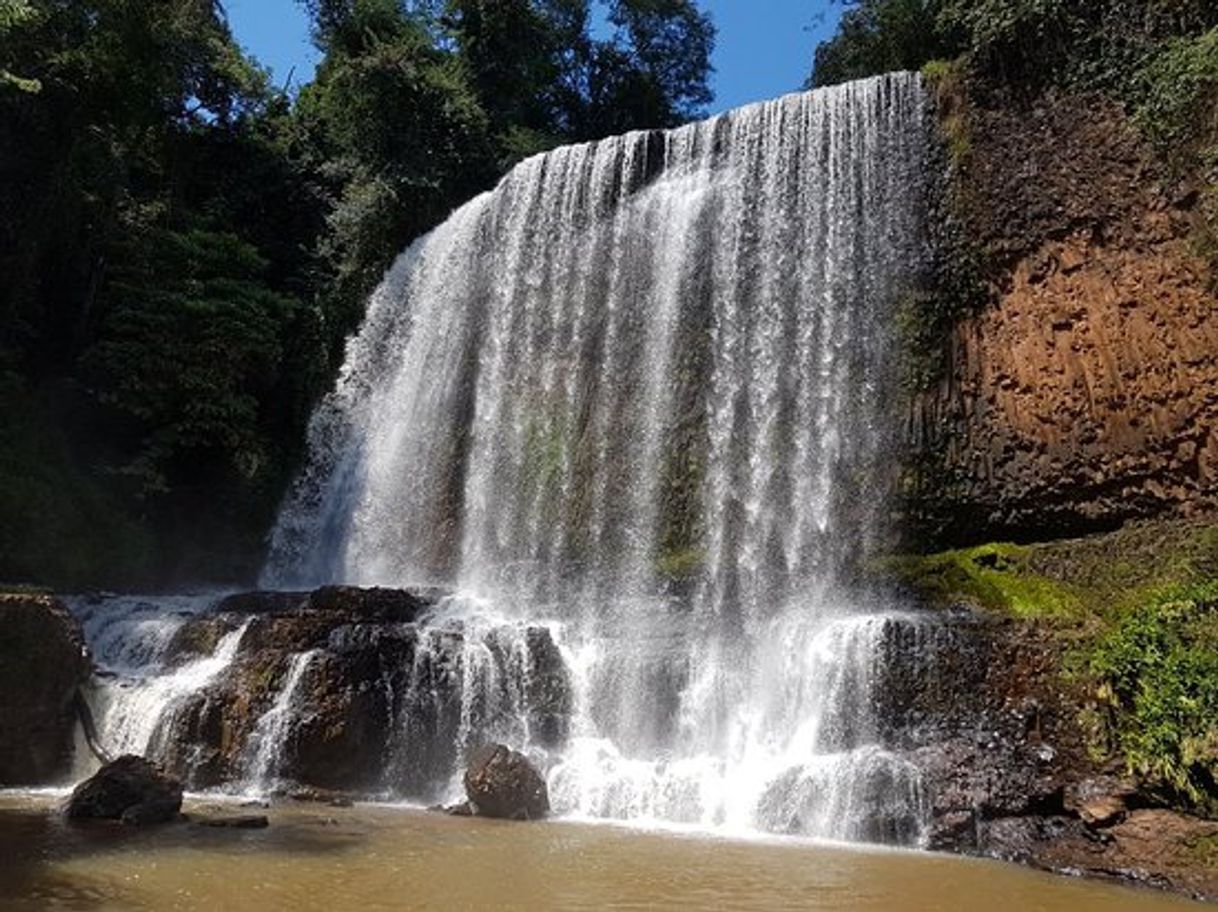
(42, 663)
(130, 789)
(236, 822)
(502, 783)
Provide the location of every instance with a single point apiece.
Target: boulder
(130, 789)
(503, 783)
(42, 664)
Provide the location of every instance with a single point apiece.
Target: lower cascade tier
(873, 727)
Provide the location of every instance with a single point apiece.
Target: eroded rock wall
(1086, 394)
(983, 706)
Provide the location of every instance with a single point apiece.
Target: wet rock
(1101, 801)
(953, 831)
(130, 789)
(386, 701)
(549, 689)
(198, 639)
(356, 604)
(402, 606)
(42, 664)
(246, 603)
(503, 783)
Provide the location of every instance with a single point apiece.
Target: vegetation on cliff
(185, 246)
(1157, 670)
(1136, 613)
(1156, 58)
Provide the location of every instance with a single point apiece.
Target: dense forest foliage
(1157, 57)
(184, 246)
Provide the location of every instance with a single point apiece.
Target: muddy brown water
(384, 858)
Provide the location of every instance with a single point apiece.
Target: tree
(667, 46)
(878, 36)
(13, 15)
(399, 137)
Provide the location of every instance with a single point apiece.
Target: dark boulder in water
(502, 783)
(42, 663)
(130, 789)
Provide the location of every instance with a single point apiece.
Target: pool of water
(374, 858)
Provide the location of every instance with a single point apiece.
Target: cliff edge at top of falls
(1084, 394)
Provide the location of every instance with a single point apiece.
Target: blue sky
(764, 47)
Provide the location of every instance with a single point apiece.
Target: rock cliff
(1086, 393)
(42, 664)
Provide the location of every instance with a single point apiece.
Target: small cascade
(803, 748)
(473, 679)
(138, 689)
(264, 747)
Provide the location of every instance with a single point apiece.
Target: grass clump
(1157, 670)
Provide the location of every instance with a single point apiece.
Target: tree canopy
(185, 247)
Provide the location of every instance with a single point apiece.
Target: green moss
(1115, 572)
(1158, 673)
(993, 577)
(545, 451)
(1204, 849)
(1136, 611)
(938, 71)
(947, 79)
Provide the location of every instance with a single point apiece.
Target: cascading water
(130, 638)
(640, 389)
(273, 727)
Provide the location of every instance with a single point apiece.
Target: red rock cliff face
(1087, 393)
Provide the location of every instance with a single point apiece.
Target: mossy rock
(993, 577)
(680, 564)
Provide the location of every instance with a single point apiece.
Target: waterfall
(635, 356)
(131, 638)
(638, 399)
(641, 388)
(272, 729)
